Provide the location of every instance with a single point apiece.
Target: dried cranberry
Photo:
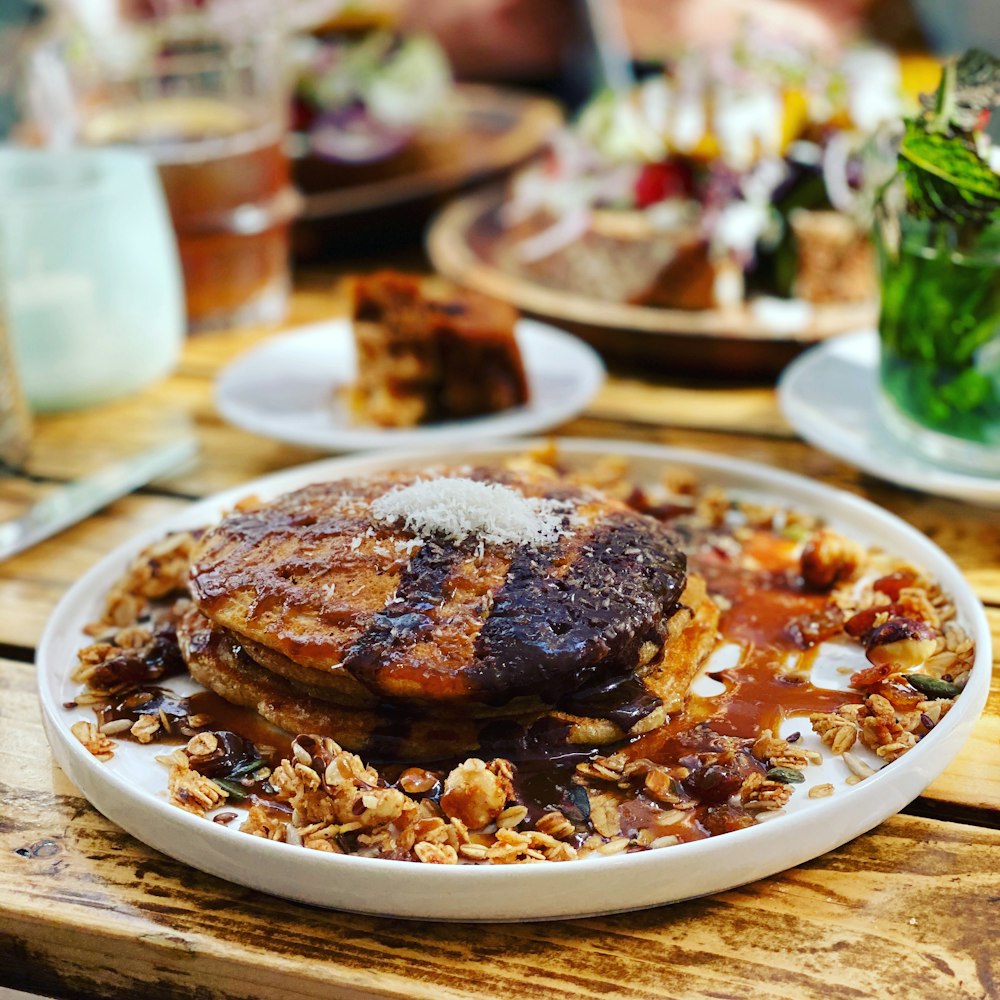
(893, 583)
(712, 783)
(661, 182)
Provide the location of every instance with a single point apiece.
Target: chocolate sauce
(550, 633)
(405, 621)
(624, 701)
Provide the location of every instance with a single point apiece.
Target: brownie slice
(428, 350)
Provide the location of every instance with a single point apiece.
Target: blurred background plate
(752, 342)
(490, 131)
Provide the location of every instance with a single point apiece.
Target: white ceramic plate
(129, 789)
(828, 395)
(289, 388)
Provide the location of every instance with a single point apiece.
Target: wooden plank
(750, 409)
(32, 583)
(908, 910)
(972, 780)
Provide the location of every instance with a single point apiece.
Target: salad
(364, 87)
(744, 162)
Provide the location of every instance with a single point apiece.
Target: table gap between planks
(908, 910)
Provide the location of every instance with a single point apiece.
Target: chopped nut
(474, 794)
(829, 559)
(145, 728)
(902, 642)
(94, 741)
(821, 791)
(417, 781)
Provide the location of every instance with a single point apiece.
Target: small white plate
(290, 388)
(828, 395)
(130, 789)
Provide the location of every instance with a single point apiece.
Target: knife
(68, 504)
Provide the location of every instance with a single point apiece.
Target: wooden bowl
(464, 243)
(490, 131)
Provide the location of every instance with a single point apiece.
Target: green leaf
(950, 158)
(233, 788)
(945, 176)
(248, 767)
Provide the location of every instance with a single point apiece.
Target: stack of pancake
(432, 633)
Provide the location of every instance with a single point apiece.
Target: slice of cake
(428, 350)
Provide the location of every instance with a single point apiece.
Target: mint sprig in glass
(938, 230)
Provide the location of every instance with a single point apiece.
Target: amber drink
(226, 178)
(207, 98)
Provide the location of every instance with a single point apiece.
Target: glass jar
(204, 90)
(939, 329)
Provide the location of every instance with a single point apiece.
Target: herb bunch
(943, 151)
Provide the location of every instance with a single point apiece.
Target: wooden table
(910, 910)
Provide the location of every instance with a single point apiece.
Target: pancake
(217, 660)
(424, 617)
(221, 665)
(335, 684)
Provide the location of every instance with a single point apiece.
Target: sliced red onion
(354, 136)
(570, 228)
(836, 163)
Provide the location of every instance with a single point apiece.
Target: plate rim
(951, 483)
(472, 880)
(590, 374)
(452, 255)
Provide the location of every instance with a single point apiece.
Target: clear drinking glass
(15, 421)
(92, 283)
(207, 97)
(939, 329)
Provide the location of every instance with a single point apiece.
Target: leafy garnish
(932, 687)
(786, 775)
(232, 788)
(944, 171)
(967, 89)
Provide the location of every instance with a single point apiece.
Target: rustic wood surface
(908, 910)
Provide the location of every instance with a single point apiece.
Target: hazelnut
(417, 781)
(902, 642)
(828, 559)
(473, 794)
